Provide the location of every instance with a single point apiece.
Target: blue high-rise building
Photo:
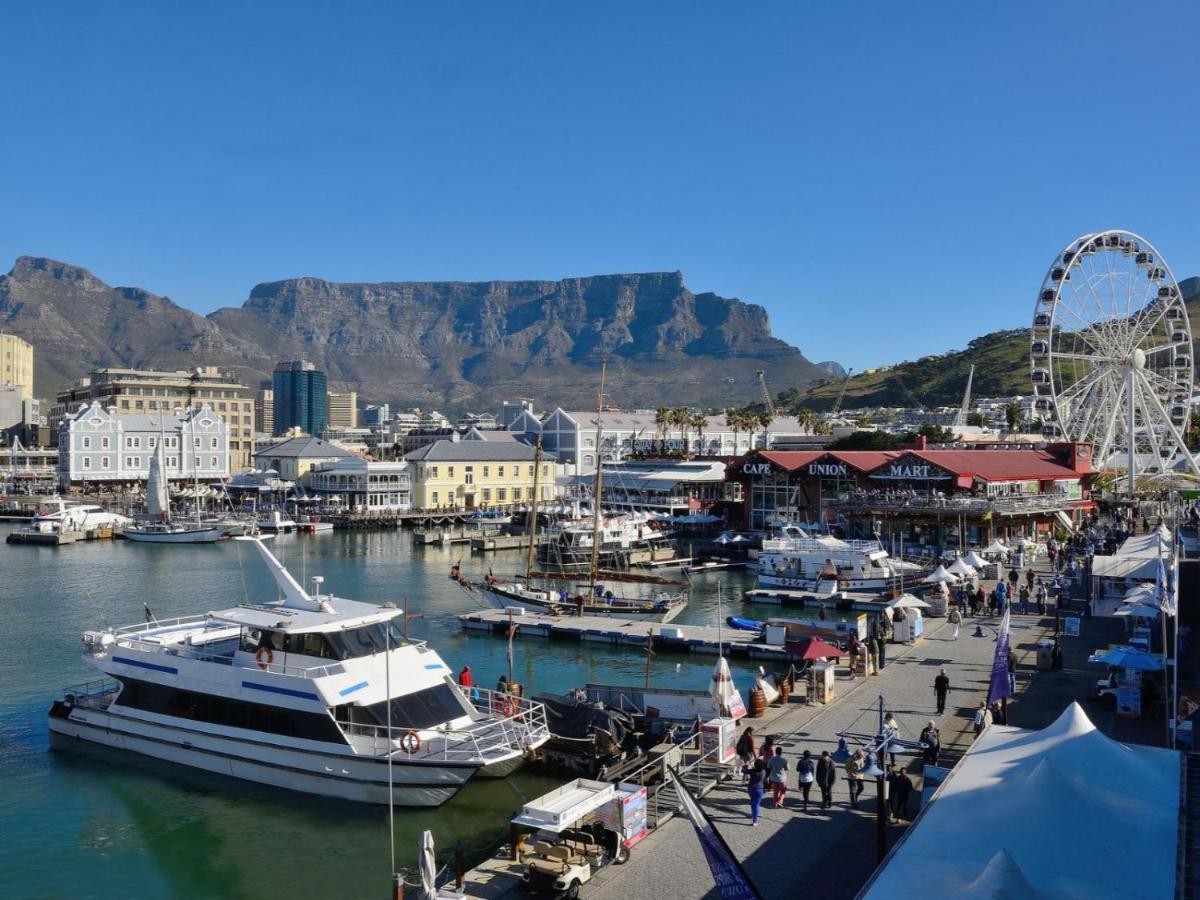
(300, 397)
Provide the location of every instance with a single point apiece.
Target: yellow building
(342, 409)
(16, 364)
(477, 475)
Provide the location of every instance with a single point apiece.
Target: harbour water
(83, 821)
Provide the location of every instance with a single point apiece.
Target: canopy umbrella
(909, 601)
(723, 691)
(723, 538)
(996, 546)
(939, 575)
(1127, 657)
(810, 649)
(428, 865)
(1138, 610)
(961, 567)
(974, 560)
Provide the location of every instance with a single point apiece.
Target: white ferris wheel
(1111, 354)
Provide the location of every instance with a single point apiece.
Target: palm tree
(699, 421)
(765, 419)
(806, 418)
(662, 419)
(681, 418)
(733, 421)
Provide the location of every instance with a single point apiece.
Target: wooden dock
(486, 543)
(628, 633)
(47, 538)
(423, 537)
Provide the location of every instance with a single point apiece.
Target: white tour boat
(308, 692)
(822, 563)
(71, 516)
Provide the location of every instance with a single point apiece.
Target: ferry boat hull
(341, 776)
(866, 585)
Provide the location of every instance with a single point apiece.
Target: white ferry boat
(308, 692)
(823, 563)
(568, 544)
(72, 516)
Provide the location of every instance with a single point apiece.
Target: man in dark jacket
(932, 739)
(826, 776)
(904, 789)
(941, 687)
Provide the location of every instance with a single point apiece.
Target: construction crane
(837, 407)
(762, 383)
(960, 420)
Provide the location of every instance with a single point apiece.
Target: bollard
(397, 887)
(460, 865)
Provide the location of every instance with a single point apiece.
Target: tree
(681, 418)
(765, 419)
(662, 420)
(699, 421)
(806, 418)
(866, 440)
(976, 420)
(1014, 416)
(934, 434)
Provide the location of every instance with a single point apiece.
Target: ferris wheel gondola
(1111, 357)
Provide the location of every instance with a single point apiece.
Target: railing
(700, 775)
(816, 545)
(92, 693)
(1031, 503)
(512, 723)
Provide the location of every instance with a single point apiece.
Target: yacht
(308, 692)
(71, 516)
(159, 527)
(800, 561)
(568, 544)
(485, 518)
(662, 607)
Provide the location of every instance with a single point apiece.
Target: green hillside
(1001, 362)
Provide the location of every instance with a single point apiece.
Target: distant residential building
(264, 408)
(511, 410)
(343, 409)
(476, 420)
(362, 485)
(477, 474)
(377, 415)
(300, 399)
(16, 363)
(148, 392)
(96, 444)
(431, 419)
(293, 458)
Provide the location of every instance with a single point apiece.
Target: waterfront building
(99, 445)
(673, 487)
(145, 391)
(25, 467)
(300, 397)
(362, 485)
(572, 437)
(16, 363)
(471, 474)
(927, 499)
(377, 415)
(343, 409)
(294, 457)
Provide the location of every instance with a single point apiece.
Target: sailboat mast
(533, 508)
(596, 486)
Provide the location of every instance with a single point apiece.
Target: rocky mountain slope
(447, 344)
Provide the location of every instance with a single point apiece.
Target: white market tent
(939, 575)
(961, 567)
(1136, 558)
(1015, 788)
(974, 560)
(908, 601)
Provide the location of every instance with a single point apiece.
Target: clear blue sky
(887, 179)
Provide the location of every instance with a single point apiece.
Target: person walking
(745, 751)
(806, 771)
(854, 780)
(941, 687)
(826, 776)
(1041, 597)
(755, 786)
(889, 780)
(768, 749)
(932, 739)
(777, 769)
(983, 718)
(1023, 593)
(904, 789)
(955, 619)
(1030, 575)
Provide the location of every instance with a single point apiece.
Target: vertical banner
(727, 872)
(999, 687)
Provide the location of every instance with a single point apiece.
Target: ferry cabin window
(422, 709)
(171, 701)
(336, 645)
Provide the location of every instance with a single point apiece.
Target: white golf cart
(576, 831)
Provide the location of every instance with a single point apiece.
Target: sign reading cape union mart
(912, 471)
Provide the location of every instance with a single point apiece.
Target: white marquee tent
(988, 832)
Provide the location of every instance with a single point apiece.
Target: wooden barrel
(785, 689)
(758, 702)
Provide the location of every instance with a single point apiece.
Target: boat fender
(410, 743)
(264, 657)
(508, 708)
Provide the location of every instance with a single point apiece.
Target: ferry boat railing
(512, 723)
(815, 545)
(94, 693)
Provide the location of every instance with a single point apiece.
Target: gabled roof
(862, 460)
(304, 448)
(476, 451)
(999, 465)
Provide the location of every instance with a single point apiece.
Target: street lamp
(885, 740)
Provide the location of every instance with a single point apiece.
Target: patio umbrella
(428, 864)
(960, 567)
(721, 687)
(1127, 657)
(974, 560)
(723, 538)
(909, 601)
(810, 649)
(1139, 610)
(939, 575)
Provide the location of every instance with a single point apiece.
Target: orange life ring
(258, 656)
(410, 743)
(509, 707)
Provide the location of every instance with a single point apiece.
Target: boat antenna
(387, 678)
(533, 508)
(596, 485)
(720, 643)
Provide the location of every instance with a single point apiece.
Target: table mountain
(448, 344)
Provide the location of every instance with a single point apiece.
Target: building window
(435, 498)
(433, 473)
(487, 495)
(449, 471)
(213, 444)
(470, 476)
(528, 492)
(104, 443)
(197, 462)
(196, 441)
(531, 471)
(485, 471)
(502, 494)
(151, 443)
(87, 462)
(545, 471)
(500, 471)
(105, 462)
(132, 462)
(213, 462)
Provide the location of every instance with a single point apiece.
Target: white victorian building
(101, 445)
(364, 486)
